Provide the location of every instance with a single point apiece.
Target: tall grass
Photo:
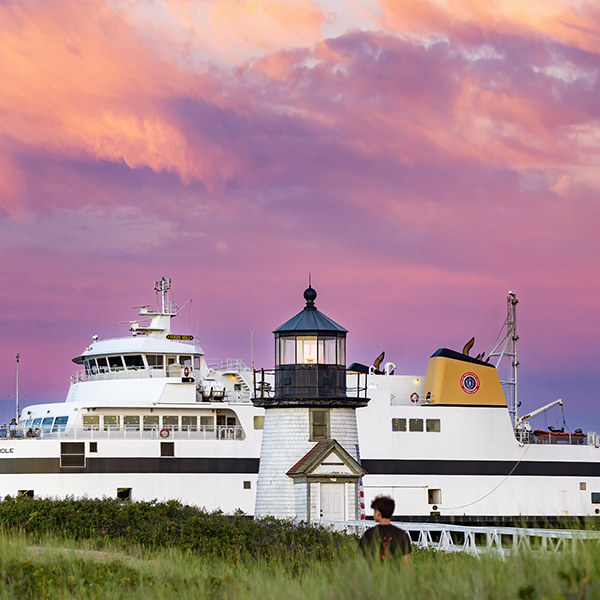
(65, 569)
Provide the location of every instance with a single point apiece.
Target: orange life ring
(186, 371)
(164, 433)
(414, 397)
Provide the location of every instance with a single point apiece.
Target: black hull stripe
(481, 467)
(15, 466)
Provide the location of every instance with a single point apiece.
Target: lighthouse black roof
(310, 320)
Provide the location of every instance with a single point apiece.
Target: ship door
(173, 367)
(332, 501)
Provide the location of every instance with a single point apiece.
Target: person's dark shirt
(386, 542)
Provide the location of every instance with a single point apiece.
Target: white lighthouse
(309, 457)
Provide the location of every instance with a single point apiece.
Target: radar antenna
(506, 346)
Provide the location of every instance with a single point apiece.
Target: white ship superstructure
(147, 417)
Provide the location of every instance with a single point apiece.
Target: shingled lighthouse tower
(308, 465)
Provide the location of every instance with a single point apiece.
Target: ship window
(259, 422)
(155, 361)
(37, 422)
(28, 423)
(306, 350)
(415, 424)
(433, 425)
(189, 423)
(47, 424)
(319, 424)
(124, 494)
(434, 496)
(595, 497)
(196, 363)
(207, 423)
(116, 363)
(93, 366)
(88, 368)
(398, 424)
(102, 364)
(111, 421)
(60, 424)
(72, 454)
(26, 494)
(185, 361)
(93, 446)
(134, 361)
(170, 422)
(167, 448)
(131, 422)
(341, 351)
(247, 485)
(287, 350)
(150, 422)
(91, 421)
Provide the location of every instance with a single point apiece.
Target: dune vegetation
(106, 549)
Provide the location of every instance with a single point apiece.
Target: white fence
(480, 541)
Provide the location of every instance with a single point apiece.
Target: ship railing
(168, 433)
(480, 541)
(558, 438)
(133, 373)
(227, 365)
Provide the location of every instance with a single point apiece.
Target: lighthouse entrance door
(333, 501)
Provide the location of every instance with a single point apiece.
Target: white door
(333, 501)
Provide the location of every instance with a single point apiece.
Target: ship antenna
(17, 390)
(162, 287)
(506, 346)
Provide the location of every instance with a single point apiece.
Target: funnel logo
(469, 383)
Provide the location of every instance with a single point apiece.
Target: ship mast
(162, 287)
(506, 346)
(17, 390)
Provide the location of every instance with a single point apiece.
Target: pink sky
(420, 159)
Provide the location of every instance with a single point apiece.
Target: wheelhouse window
(91, 367)
(47, 424)
(37, 422)
(116, 363)
(134, 362)
(155, 361)
(185, 361)
(102, 364)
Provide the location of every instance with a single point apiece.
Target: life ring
(414, 397)
(164, 433)
(186, 371)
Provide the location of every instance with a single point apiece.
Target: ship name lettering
(7, 450)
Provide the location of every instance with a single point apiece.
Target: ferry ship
(148, 417)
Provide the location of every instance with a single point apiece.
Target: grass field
(52, 569)
(109, 550)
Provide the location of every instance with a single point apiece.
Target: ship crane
(522, 422)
